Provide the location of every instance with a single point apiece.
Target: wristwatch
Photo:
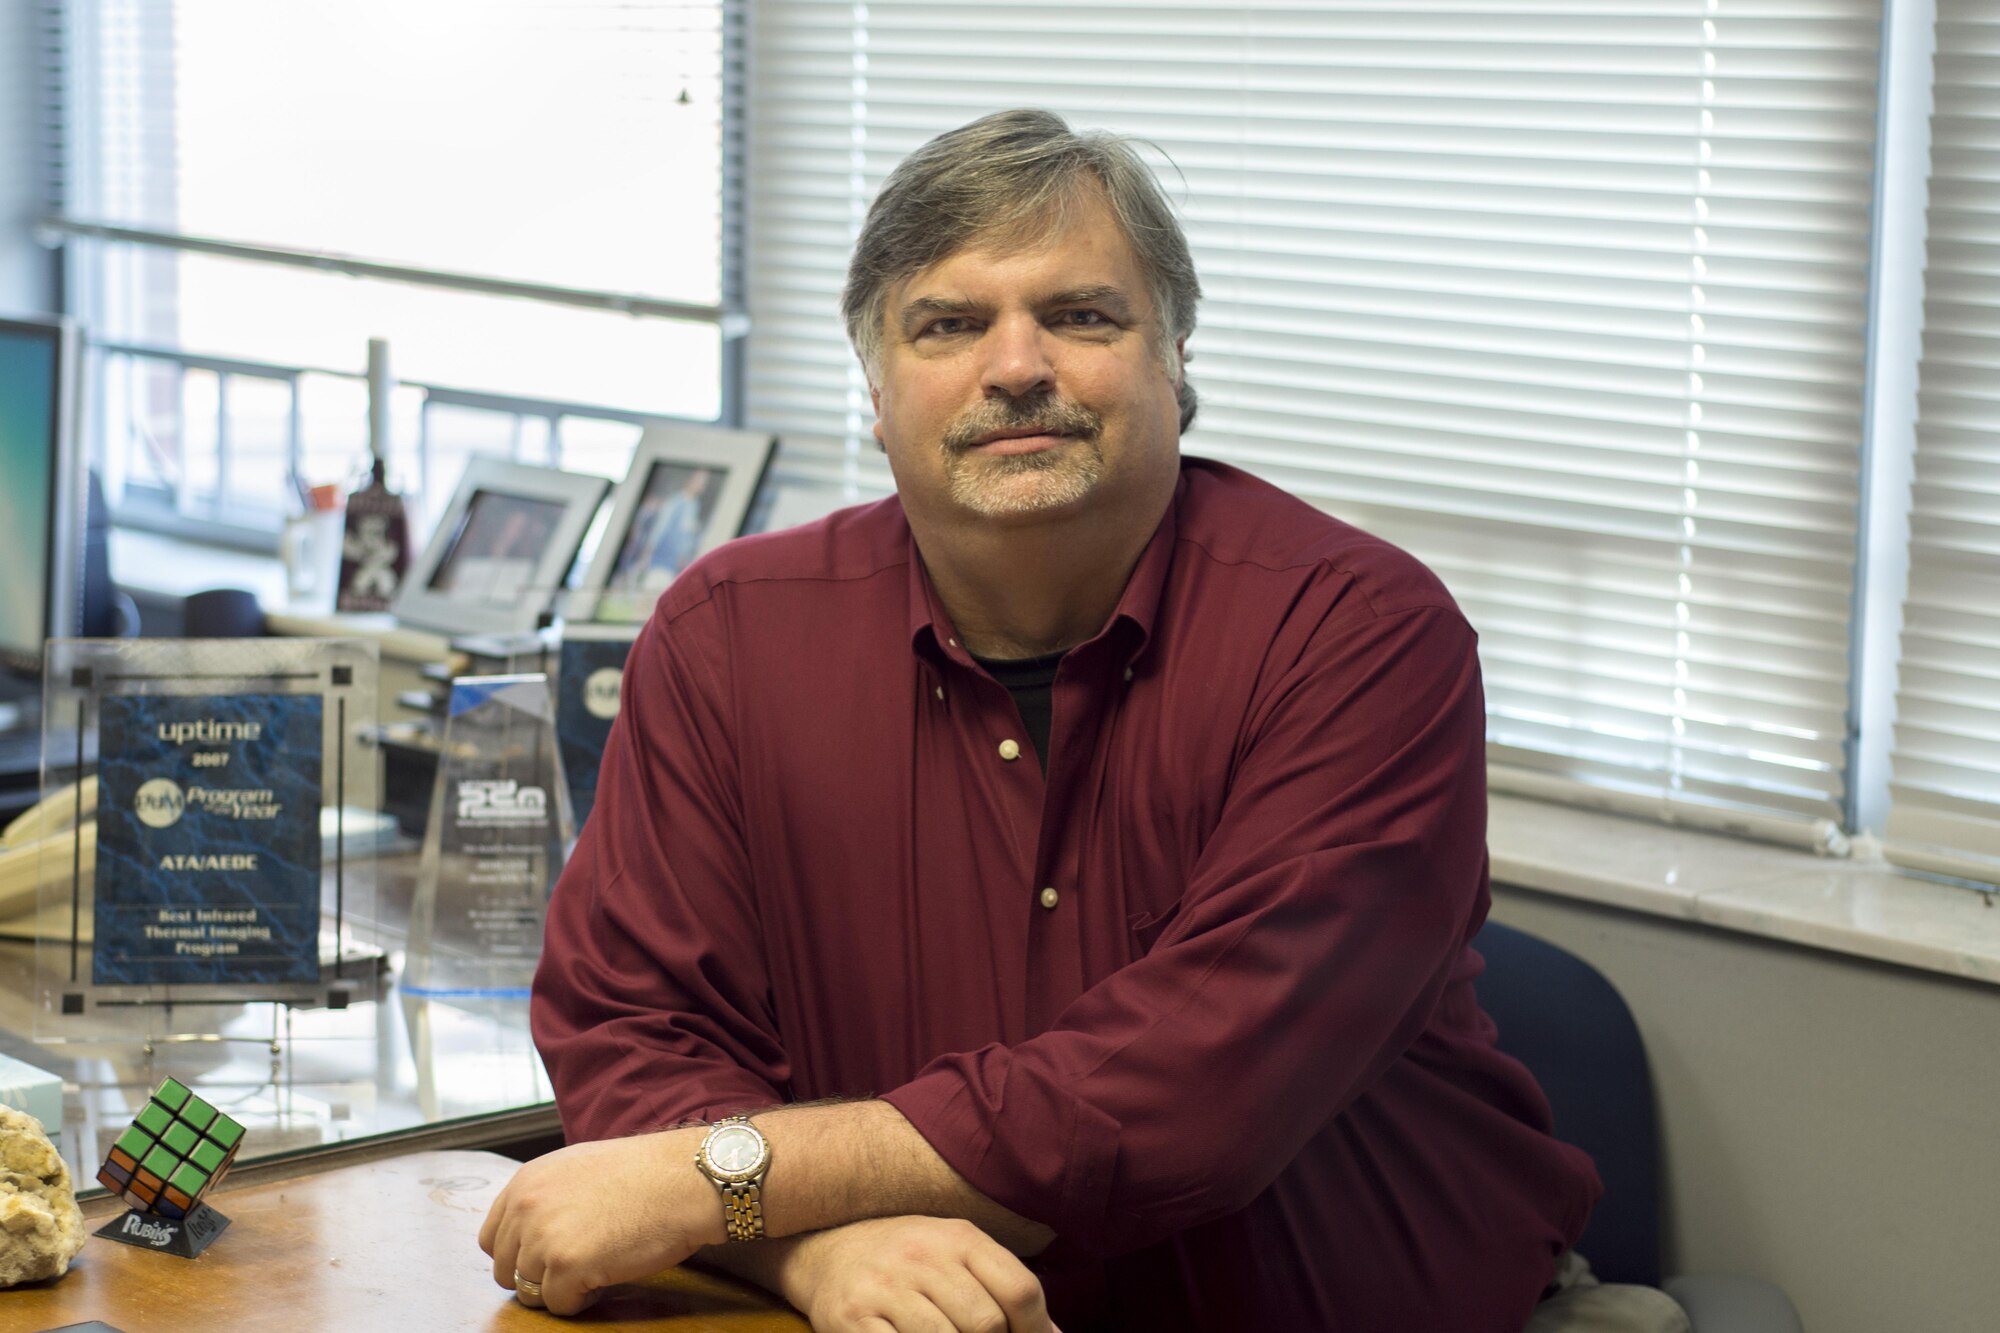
(734, 1157)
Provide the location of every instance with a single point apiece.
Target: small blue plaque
(590, 673)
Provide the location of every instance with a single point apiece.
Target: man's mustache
(1045, 415)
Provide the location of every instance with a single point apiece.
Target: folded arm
(1311, 945)
(639, 1043)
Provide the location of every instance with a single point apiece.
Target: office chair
(1559, 1016)
(108, 611)
(222, 613)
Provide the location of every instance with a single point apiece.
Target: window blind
(1945, 767)
(1567, 299)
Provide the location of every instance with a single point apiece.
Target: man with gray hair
(1042, 898)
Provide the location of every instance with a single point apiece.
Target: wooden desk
(389, 1245)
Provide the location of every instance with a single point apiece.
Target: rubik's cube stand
(175, 1150)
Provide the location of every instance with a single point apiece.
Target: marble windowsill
(1849, 906)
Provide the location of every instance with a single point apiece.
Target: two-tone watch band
(743, 1211)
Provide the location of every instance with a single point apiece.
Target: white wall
(1830, 1124)
(27, 271)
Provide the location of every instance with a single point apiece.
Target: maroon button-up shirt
(1234, 1058)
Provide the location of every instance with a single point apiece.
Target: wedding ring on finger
(527, 1291)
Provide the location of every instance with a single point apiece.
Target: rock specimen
(41, 1228)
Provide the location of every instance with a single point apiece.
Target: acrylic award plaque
(590, 673)
(176, 1150)
(203, 836)
(498, 830)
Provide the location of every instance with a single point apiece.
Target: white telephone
(47, 833)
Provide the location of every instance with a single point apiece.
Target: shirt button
(1010, 750)
(1050, 897)
(940, 691)
(1128, 673)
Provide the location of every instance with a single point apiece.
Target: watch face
(735, 1148)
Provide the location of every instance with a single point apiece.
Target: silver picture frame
(689, 490)
(501, 550)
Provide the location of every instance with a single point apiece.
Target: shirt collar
(1130, 625)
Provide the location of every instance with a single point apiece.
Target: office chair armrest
(1726, 1303)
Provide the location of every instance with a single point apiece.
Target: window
(1570, 300)
(1945, 771)
(1575, 302)
(523, 197)
(1601, 310)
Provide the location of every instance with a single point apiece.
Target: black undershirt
(1031, 680)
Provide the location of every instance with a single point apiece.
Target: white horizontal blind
(808, 182)
(1945, 786)
(1567, 298)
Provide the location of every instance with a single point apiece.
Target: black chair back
(1559, 1016)
(222, 613)
(106, 612)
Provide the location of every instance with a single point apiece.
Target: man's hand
(597, 1214)
(912, 1275)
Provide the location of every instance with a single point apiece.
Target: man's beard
(1011, 484)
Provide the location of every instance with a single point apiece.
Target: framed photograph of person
(502, 550)
(689, 490)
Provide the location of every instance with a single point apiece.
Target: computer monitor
(41, 539)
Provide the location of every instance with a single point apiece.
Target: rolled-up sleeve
(1317, 931)
(652, 1004)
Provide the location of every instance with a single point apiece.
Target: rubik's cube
(176, 1148)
